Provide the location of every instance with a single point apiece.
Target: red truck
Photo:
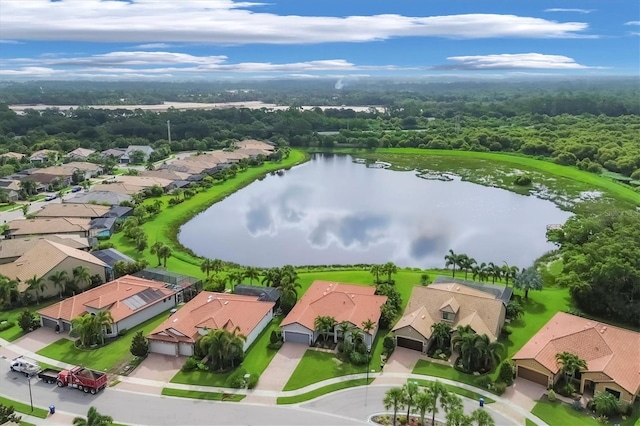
(83, 379)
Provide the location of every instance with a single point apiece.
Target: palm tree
(7, 288)
(491, 352)
(482, 418)
(59, 280)
(465, 344)
(409, 392)
(36, 285)
(102, 319)
(28, 186)
(494, 271)
(288, 288)
(324, 324)
(437, 392)
(477, 351)
(424, 400)
(509, 272)
(453, 260)
(165, 253)
(393, 398)
(376, 270)
(467, 263)
(235, 278)
(81, 275)
(368, 326)
(94, 418)
(252, 273)
(606, 403)
(389, 268)
(570, 364)
(441, 333)
(213, 344)
(83, 327)
(233, 346)
(290, 272)
(483, 271)
(343, 328)
(217, 266)
(156, 249)
(272, 277)
(206, 266)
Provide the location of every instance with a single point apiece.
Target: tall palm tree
(509, 272)
(235, 278)
(368, 325)
(441, 333)
(424, 400)
(389, 268)
(217, 266)
(272, 277)
(206, 266)
(213, 344)
(7, 288)
(570, 364)
(409, 393)
(289, 272)
(156, 249)
(252, 273)
(437, 392)
(376, 270)
(81, 275)
(482, 418)
(325, 325)
(59, 280)
(233, 346)
(102, 319)
(491, 351)
(165, 253)
(36, 285)
(466, 264)
(343, 328)
(94, 418)
(288, 288)
(393, 399)
(465, 344)
(483, 271)
(452, 259)
(495, 272)
(83, 327)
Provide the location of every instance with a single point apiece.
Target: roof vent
(423, 317)
(175, 320)
(352, 296)
(226, 302)
(129, 289)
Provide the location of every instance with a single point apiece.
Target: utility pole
(30, 394)
(169, 130)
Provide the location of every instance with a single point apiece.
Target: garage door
(49, 323)
(164, 348)
(533, 376)
(403, 342)
(186, 349)
(293, 337)
(66, 326)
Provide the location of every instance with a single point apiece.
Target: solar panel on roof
(143, 298)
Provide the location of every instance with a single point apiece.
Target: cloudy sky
(187, 39)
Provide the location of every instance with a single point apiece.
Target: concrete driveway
(281, 367)
(39, 338)
(401, 361)
(524, 393)
(159, 367)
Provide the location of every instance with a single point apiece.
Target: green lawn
(318, 366)
(457, 390)
(210, 396)
(15, 332)
(322, 391)
(428, 368)
(257, 358)
(23, 408)
(104, 358)
(558, 413)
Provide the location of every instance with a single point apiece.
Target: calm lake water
(331, 210)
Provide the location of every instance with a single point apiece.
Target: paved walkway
(281, 367)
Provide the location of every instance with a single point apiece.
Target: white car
(25, 366)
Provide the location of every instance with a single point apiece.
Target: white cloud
(154, 46)
(506, 61)
(3, 41)
(225, 22)
(632, 23)
(634, 33)
(135, 58)
(561, 9)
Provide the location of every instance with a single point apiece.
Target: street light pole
(30, 394)
(366, 389)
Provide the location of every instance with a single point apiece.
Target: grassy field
(322, 391)
(21, 407)
(257, 358)
(15, 332)
(457, 390)
(104, 358)
(210, 396)
(318, 366)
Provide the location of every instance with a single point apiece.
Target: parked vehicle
(49, 375)
(76, 189)
(83, 379)
(25, 366)
(50, 197)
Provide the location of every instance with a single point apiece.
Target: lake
(332, 210)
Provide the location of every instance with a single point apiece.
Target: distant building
(43, 156)
(25, 228)
(72, 210)
(99, 197)
(80, 154)
(12, 249)
(110, 256)
(145, 149)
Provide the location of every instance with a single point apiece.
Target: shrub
(356, 358)
(27, 321)
(252, 382)
(603, 420)
(551, 395)
(236, 379)
(577, 405)
(591, 405)
(505, 332)
(5, 325)
(506, 373)
(340, 347)
(499, 388)
(522, 180)
(389, 345)
(202, 366)
(139, 345)
(189, 365)
(567, 390)
(625, 409)
(274, 338)
(483, 382)
(402, 420)
(122, 332)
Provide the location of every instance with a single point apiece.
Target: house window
(448, 316)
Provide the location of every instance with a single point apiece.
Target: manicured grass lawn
(460, 391)
(23, 408)
(558, 413)
(322, 391)
(15, 332)
(318, 366)
(104, 358)
(446, 372)
(210, 396)
(258, 357)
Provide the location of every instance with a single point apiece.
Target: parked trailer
(84, 379)
(49, 375)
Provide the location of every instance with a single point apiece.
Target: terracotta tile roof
(255, 144)
(212, 311)
(113, 296)
(611, 350)
(41, 259)
(57, 225)
(344, 302)
(165, 174)
(72, 210)
(143, 181)
(81, 152)
(54, 170)
(16, 247)
(84, 166)
(15, 155)
(482, 311)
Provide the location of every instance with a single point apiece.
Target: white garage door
(165, 348)
(186, 349)
(293, 337)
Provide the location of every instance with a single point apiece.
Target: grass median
(323, 391)
(209, 396)
(23, 408)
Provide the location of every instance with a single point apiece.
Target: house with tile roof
(12, 155)
(178, 334)
(86, 211)
(47, 257)
(612, 355)
(12, 249)
(43, 155)
(80, 154)
(23, 228)
(451, 303)
(344, 302)
(131, 301)
(145, 149)
(94, 196)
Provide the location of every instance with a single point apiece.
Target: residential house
(267, 294)
(501, 292)
(145, 149)
(119, 213)
(80, 154)
(344, 302)
(178, 334)
(89, 170)
(103, 227)
(49, 182)
(115, 153)
(12, 156)
(130, 300)
(23, 228)
(12, 249)
(612, 355)
(165, 174)
(186, 286)
(110, 256)
(43, 156)
(130, 185)
(11, 188)
(94, 196)
(87, 211)
(267, 148)
(46, 258)
(452, 303)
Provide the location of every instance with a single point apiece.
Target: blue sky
(221, 39)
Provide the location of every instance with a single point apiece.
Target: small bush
(276, 345)
(356, 358)
(499, 388)
(567, 390)
(483, 382)
(577, 405)
(603, 420)
(506, 373)
(202, 366)
(522, 180)
(6, 325)
(505, 332)
(389, 345)
(551, 395)
(402, 420)
(253, 381)
(189, 365)
(122, 332)
(625, 409)
(236, 379)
